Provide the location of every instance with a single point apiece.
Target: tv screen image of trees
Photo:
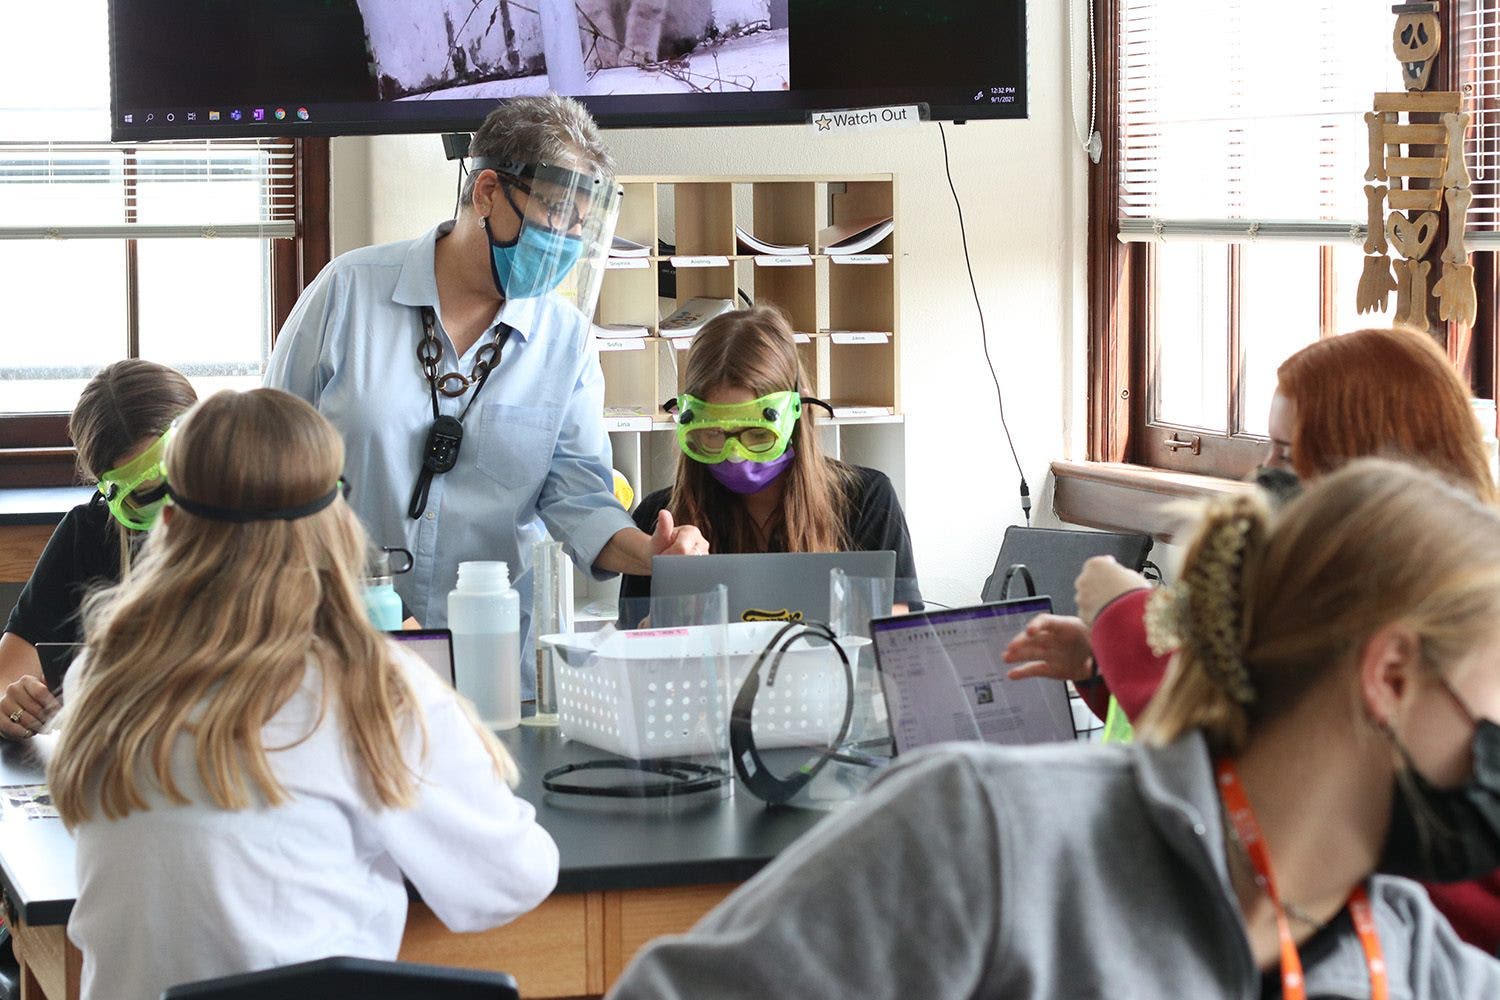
(224, 67)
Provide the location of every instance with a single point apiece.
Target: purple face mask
(746, 478)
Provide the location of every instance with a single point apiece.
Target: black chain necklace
(440, 453)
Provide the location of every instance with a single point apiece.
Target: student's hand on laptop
(26, 708)
(676, 540)
(1101, 581)
(1055, 646)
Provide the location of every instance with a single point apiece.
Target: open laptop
(944, 679)
(433, 645)
(767, 586)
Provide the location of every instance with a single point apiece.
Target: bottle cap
(483, 577)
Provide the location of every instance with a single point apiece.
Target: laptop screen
(944, 679)
(434, 645)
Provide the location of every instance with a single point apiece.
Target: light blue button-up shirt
(535, 456)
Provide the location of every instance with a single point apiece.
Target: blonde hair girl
(236, 712)
(1339, 672)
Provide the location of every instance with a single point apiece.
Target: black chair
(364, 978)
(1053, 558)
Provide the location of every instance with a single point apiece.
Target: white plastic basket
(666, 692)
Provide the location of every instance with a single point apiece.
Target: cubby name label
(784, 260)
(700, 261)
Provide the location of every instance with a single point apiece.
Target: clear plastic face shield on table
(567, 220)
(645, 712)
(808, 727)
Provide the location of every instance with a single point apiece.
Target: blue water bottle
(382, 603)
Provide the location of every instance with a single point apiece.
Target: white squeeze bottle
(484, 614)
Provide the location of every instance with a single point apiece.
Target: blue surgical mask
(534, 263)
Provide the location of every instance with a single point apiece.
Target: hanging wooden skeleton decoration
(1417, 168)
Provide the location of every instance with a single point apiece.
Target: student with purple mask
(752, 475)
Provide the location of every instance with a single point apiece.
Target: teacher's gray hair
(546, 129)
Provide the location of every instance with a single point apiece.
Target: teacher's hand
(672, 540)
(26, 708)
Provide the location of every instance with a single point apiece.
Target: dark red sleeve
(1095, 695)
(1125, 660)
(1473, 908)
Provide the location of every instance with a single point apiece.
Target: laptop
(943, 678)
(433, 645)
(1055, 556)
(765, 586)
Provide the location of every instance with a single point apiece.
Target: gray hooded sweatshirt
(1066, 872)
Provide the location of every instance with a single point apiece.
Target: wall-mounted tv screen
(220, 68)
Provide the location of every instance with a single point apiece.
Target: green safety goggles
(137, 491)
(756, 431)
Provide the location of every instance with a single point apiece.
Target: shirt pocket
(515, 444)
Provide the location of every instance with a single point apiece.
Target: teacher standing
(460, 370)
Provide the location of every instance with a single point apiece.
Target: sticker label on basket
(655, 633)
(861, 258)
(626, 263)
(705, 261)
(784, 260)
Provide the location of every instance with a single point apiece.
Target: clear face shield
(567, 219)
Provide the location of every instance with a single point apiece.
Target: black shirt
(83, 552)
(876, 523)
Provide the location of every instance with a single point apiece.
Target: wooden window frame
(35, 449)
(1120, 310)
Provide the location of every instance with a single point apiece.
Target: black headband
(234, 515)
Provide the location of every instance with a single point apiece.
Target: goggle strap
(818, 402)
(234, 515)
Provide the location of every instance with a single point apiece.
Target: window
(1228, 216)
(187, 253)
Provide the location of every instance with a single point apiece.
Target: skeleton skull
(1415, 42)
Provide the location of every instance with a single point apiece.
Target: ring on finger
(16, 715)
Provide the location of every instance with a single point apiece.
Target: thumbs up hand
(670, 539)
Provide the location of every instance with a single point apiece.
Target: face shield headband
(756, 431)
(137, 491)
(567, 219)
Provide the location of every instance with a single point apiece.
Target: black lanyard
(440, 453)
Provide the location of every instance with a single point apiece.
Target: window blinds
(1240, 121)
(1479, 69)
(213, 188)
(61, 178)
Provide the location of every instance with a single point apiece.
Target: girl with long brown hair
(116, 428)
(752, 475)
(236, 717)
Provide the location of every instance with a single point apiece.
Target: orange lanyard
(1293, 987)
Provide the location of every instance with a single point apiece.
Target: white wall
(1024, 190)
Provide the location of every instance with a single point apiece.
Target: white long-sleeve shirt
(179, 893)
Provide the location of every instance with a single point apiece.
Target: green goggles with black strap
(137, 491)
(755, 431)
